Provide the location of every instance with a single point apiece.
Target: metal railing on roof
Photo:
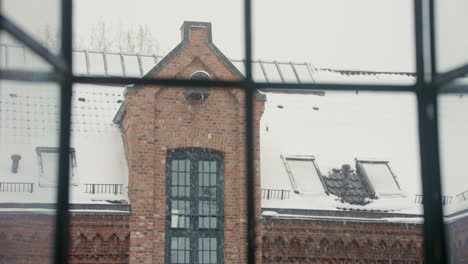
(120, 64)
(275, 194)
(94, 188)
(462, 196)
(16, 187)
(418, 198)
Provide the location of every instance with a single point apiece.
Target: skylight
(380, 177)
(304, 174)
(48, 161)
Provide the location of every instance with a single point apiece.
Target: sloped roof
(354, 124)
(29, 119)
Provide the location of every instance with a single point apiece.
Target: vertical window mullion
(194, 210)
(220, 213)
(434, 235)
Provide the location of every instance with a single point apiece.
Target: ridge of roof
(185, 40)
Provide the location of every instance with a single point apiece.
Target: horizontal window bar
(32, 44)
(451, 75)
(28, 76)
(286, 87)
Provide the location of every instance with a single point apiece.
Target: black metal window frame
(193, 230)
(429, 84)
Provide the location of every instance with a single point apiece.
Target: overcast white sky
(341, 34)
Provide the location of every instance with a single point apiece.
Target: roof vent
(81, 99)
(15, 158)
(199, 93)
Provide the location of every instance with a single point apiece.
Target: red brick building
(159, 172)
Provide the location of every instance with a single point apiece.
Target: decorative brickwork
(314, 241)
(458, 240)
(96, 239)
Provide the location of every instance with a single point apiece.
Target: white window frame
(292, 178)
(45, 181)
(377, 193)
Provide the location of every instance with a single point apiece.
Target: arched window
(195, 206)
(197, 93)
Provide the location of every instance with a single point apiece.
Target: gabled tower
(186, 158)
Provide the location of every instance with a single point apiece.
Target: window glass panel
(180, 211)
(451, 38)
(96, 62)
(114, 65)
(180, 250)
(49, 163)
(314, 32)
(79, 63)
(39, 19)
(132, 67)
(453, 128)
(305, 176)
(203, 201)
(381, 178)
(335, 129)
(123, 29)
(15, 56)
(28, 116)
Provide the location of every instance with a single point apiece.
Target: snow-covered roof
(339, 128)
(334, 129)
(29, 128)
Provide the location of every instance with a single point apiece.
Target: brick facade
(29, 238)
(160, 118)
(315, 241)
(458, 240)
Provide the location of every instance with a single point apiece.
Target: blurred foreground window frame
(429, 84)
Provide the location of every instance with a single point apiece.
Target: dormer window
(380, 177)
(199, 93)
(304, 174)
(48, 165)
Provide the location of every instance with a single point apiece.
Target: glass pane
(15, 56)
(334, 41)
(453, 128)
(28, 120)
(451, 38)
(344, 218)
(304, 175)
(39, 19)
(381, 178)
(99, 186)
(136, 40)
(180, 250)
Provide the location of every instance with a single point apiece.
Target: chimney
(196, 31)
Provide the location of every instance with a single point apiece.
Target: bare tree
(101, 38)
(105, 37)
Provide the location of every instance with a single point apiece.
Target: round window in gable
(197, 93)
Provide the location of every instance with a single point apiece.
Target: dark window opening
(195, 206)
(199, 93)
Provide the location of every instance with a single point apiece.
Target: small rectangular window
(304, 175)
(380, 177)
(48, 165)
